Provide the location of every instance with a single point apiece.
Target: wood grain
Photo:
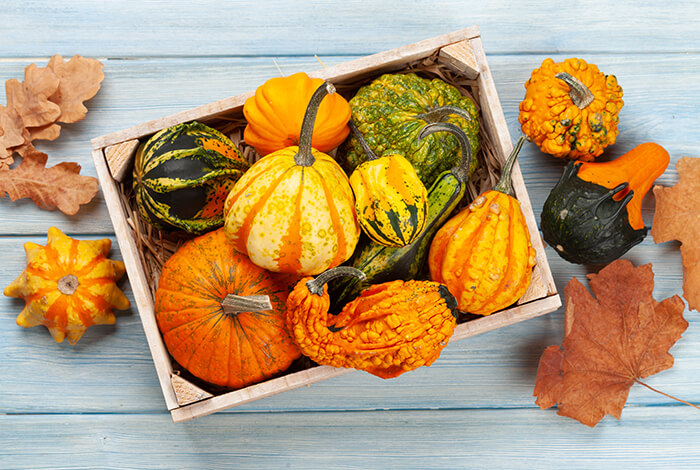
(435, 439)
(165, 28)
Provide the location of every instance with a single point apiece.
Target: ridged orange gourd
(276, 111)
(483, 254)
(68, 286)
(293, 211)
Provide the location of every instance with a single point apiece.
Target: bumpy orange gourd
(571, 109)
(483, 254)
(293, 211)
(211, 320)
(389, 329)
(276, 111)
(68, 286)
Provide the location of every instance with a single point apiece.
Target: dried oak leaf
(11, 135)
(59, 187)
(30, 98)
(79, 80)
(677, 217)
(613, 340)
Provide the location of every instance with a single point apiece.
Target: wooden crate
(460, 52)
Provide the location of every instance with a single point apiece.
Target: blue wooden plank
(514, 439)
(278, 27)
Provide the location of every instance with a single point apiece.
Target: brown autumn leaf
(613, 340)
(58, 187)
(30, 98)
(79, 80)
(12, 134)
(677, 217)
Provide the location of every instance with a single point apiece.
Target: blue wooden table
(98, 404)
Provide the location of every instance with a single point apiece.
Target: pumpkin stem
(505, 184)
(365, 146)
(68, 284)
(316, 285)
(440, 113)
(304, 157)
(233, 304)
(579, 93)
(462, 170)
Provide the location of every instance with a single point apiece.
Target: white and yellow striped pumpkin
(293, 210)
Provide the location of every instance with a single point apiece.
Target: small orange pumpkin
(276, 111)
(68, 286)
(208, 309)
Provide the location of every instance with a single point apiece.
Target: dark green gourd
(596, 222)
(182, 176)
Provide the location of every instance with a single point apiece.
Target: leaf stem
(666, 394)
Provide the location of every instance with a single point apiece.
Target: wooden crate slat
(137, 277)
(460, 56)
(119, 158)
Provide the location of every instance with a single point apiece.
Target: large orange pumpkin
(204, 291)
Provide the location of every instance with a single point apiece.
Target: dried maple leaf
(677, 217)
(31, 98)
(613, 340)
(79, 80)
(59, 187)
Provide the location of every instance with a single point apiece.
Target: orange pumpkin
(276, 111)
(206, 308)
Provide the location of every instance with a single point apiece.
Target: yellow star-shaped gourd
(68, 286)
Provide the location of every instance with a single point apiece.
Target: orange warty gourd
(293, 211)
(214, 323)
(570, 109)
(483, 254)
(391, 328)
(276, 111)
(68, 286)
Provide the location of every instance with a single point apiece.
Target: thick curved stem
(579, 93)
(439, 114)
(505, 184)
(233, 304)
(304, 157)
(365, 147)
(462, 170)
(317, 284)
